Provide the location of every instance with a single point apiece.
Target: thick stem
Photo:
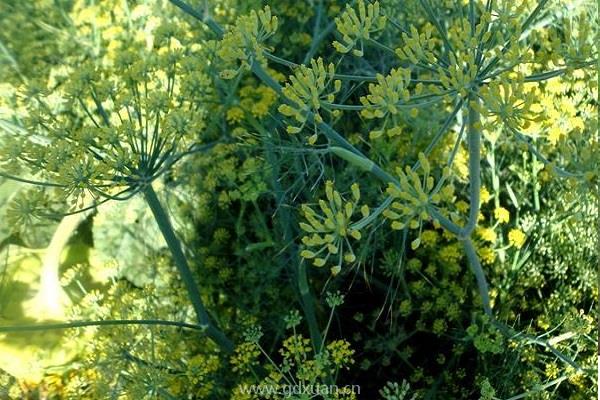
(183, 268)
(474, 140)
(482, 284)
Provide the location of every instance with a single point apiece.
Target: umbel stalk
(183, 268)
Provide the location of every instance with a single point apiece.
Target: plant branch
(82, 324)
(482, 284)
(474, 141)
(183, 268)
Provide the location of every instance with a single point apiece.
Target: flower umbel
(413, 197)
(383, 97)
(328, 234)
(356, 28)
(508, 102)
(129, 130)
(308, 90)
(244, 42)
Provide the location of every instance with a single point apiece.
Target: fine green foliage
(326, 199)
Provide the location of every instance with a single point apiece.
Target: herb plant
(396, 196)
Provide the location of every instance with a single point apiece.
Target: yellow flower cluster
(502, 215)
(340, 353)
(307, 90)
(328, 234)
(245, 357)
(563, 113)
(302, 362)
(562, 122)
(578, 45)
(356, 28)
(294, 346)
(430, 238)
(508, 102)
(487, 255)
(384, 96)
(418, 46)
(464, 40)
(484, 195)
(487, 234)
(235, 115)
(516, 238)
(244, 42)
(460, 74)
(256, 101)
(414, 195)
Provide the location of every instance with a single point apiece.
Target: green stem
(279, 60)
(345, 107)
(542, 76)
(510, 332)
(482, 284)
(30, 182)
(373, 78)
(444, 221)
(205, 18)
(364, 163)
(474, 141)
(381, 46)
(439, 27)
(366, 221)
(183, 268)
(309, 307)
(360, 78)
(359, 107)
(81, 324)
(442, 131)
(317, 36)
